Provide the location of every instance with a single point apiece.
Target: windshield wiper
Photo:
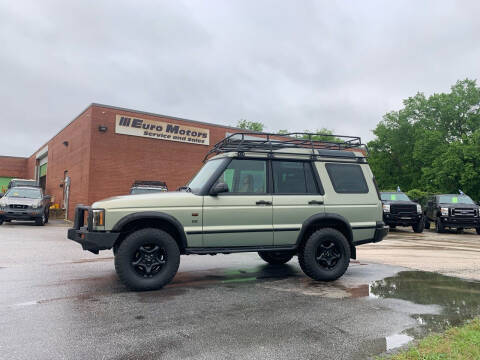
(184, 188)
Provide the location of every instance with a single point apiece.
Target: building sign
(161, 130)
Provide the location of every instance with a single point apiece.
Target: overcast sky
(292, 65)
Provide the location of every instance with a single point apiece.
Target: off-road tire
(477, 230)
(41, 220)
(459, 230)
(308, 253)
(418, 227)
(439, 228)
(129, 251)
(392, 227)
(1, 221)
(427, 223)
(276, 257)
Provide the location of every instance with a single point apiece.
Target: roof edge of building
(168, 116)
(93, 104)
(15, 157)
(63, 128)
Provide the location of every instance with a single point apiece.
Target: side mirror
(1, 195)
(219, 188)
(416, 200)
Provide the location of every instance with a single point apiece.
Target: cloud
(291, 65)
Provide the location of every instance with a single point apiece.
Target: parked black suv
(452, 211)
(399, 210)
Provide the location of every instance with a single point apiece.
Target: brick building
(105, 149)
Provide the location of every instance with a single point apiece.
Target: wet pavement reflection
(447, 301)
(68, 304)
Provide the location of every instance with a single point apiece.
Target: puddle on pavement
(457, 301)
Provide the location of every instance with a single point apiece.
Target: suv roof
(148, 183)
(291, 145)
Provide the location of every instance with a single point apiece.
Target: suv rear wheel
(477, 230)
(276, 257)
(325, 255)
(147, 259)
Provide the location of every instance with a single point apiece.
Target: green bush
(419, 195)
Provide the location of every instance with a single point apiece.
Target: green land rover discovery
(278, 195)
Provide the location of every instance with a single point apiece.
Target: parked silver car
(25, 203)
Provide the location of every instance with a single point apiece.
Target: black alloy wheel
(147, 259)
(325, 255)
(328, 254)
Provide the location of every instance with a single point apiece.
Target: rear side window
(293, 177)
(347, 178)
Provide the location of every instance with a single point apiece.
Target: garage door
(4, 183)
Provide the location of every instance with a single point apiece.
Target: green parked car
(279, 196)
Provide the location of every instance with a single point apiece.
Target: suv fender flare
(325, 217)
(153, 215)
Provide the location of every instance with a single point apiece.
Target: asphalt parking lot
(59, 302)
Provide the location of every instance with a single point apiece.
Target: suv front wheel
(276, 257)
(325, 255)
(147, 259)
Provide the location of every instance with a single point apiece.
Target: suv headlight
(419, 208)
(3, 204)
(35, 205)
(386, 208)
(98, 217)
(444, 211)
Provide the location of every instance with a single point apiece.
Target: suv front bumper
(460, 222)
(21, 214)
(406, 220)
(82, 233)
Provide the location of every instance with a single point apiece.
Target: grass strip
(461, 342)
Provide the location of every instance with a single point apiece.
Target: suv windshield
(204, 174)
(455, 199)
(398, 196)
(19, 192)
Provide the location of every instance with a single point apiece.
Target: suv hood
(151, 200)
(19, 201)
(458, 205)
(398, 202)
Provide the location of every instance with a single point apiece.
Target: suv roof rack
(242, 142)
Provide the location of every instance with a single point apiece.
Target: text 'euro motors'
(161, 130)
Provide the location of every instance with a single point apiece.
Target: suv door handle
(315, 202)
(263, 202)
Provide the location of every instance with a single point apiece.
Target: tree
(250, 125)
(432, 143)
(322, 135)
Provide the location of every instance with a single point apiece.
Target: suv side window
(293, 177)
(245, 176)
(347, 178)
